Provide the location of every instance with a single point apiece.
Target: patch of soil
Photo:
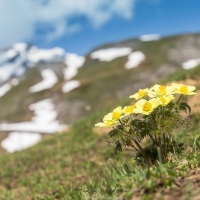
(101, 131)
(185, 188)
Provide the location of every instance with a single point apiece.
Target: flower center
(147, 106)
(162, 89)
(116, 115)
(184, 89)
(129, 109)
(141, 93)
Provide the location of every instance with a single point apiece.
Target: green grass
(79, 165)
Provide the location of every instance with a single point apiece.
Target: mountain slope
(81, 85)
(81, 165)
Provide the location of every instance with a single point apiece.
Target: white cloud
(19, 19)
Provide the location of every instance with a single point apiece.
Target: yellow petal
(140, 103)
(100, 124)
(155, 102)
(184, 89)
(165, 100)
(140, 94)
(191, 88)
(128, 109)
(107, 117)
(118, 109)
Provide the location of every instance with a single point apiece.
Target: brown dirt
(194, 102)
(101, 131)
(185, 188)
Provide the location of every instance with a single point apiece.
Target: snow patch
(149, 37)
(71, 85)
(20, 71)
(44, 121)
(14, 81)
(110, 54)
(134, 59)
(44, 112)
(16, 60)
(21, 46)
(73, 62)
(17, 141)
(7, 70)
(36, 55)
(191, 63)
(49, 80)
(7, 55)
(6, 87)
(12, 68)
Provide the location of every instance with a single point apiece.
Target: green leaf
(185, 107)
(118, 147)
(113, 133)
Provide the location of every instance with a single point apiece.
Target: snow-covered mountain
(15, 61)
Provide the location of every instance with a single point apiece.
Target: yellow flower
(111, 118)
(146, 107)
(117, 112)
(140, 94)
(165, 100)
(184, 89)
(160, 90)
(128, 109)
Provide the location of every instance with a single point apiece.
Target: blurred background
(64, 64)
(61, 60)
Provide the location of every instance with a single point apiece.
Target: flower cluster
(155, 113)
(158, 95)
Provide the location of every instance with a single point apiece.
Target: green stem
(141, 149)
(154, 126)
(154, 140)
(123, 125)
(152, 121)
(132, 145)
(163, 112)
(179, 99)
(142, 152)
(161, 150)
(165, 149)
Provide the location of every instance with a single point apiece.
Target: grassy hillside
(80, 165)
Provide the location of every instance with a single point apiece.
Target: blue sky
(78, 26)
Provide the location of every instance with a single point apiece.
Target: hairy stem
(152, 121)
(179, 99)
